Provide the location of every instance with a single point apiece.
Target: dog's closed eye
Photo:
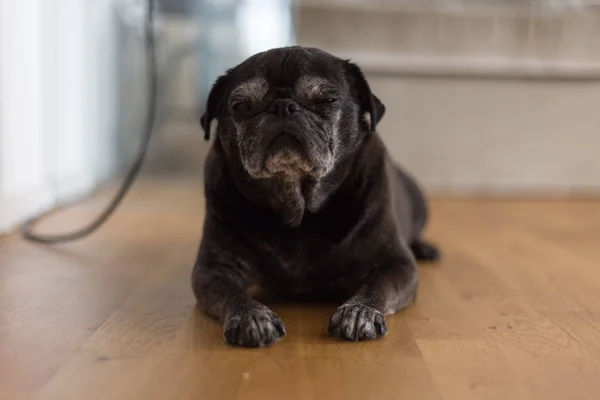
(325, 100)
(241, 106)
(248, 94)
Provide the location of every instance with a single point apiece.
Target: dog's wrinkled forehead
(308, 72)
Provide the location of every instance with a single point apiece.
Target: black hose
(28, 228)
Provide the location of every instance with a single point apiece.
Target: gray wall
(464, 113)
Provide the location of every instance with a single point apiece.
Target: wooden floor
(512, 312)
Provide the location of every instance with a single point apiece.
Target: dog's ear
(367, 101)
(214, 104)
(379, 109)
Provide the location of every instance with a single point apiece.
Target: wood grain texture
(512, 312)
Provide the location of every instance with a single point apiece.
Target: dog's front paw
(357, 322)
(258, 327)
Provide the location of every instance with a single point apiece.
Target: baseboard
(513, 192)
(16, 209)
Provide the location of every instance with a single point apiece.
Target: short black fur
(304, 201)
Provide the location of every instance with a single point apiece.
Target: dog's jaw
(289, 164)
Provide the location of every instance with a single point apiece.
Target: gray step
(513, 33)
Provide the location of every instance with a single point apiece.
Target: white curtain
(58, 103)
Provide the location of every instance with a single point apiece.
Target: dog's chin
(283, 157)
(288, 164)
(287, 157)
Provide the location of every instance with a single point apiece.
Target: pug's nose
(284, 107)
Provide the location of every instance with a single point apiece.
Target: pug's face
(292, 112)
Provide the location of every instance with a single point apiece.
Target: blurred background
(492, 100)
(484, 97)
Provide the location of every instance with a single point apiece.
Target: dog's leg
(221, 292)
(386, 290)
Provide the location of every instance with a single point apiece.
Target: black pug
(303, 199)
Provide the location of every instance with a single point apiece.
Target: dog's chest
(311, 267)
(324, 254)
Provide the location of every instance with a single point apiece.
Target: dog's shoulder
(369, 168)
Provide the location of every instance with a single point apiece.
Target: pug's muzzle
(284, 146)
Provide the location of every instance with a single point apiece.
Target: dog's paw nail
(380, 325)
(259, 327)
(425, 252)
(357, 322)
